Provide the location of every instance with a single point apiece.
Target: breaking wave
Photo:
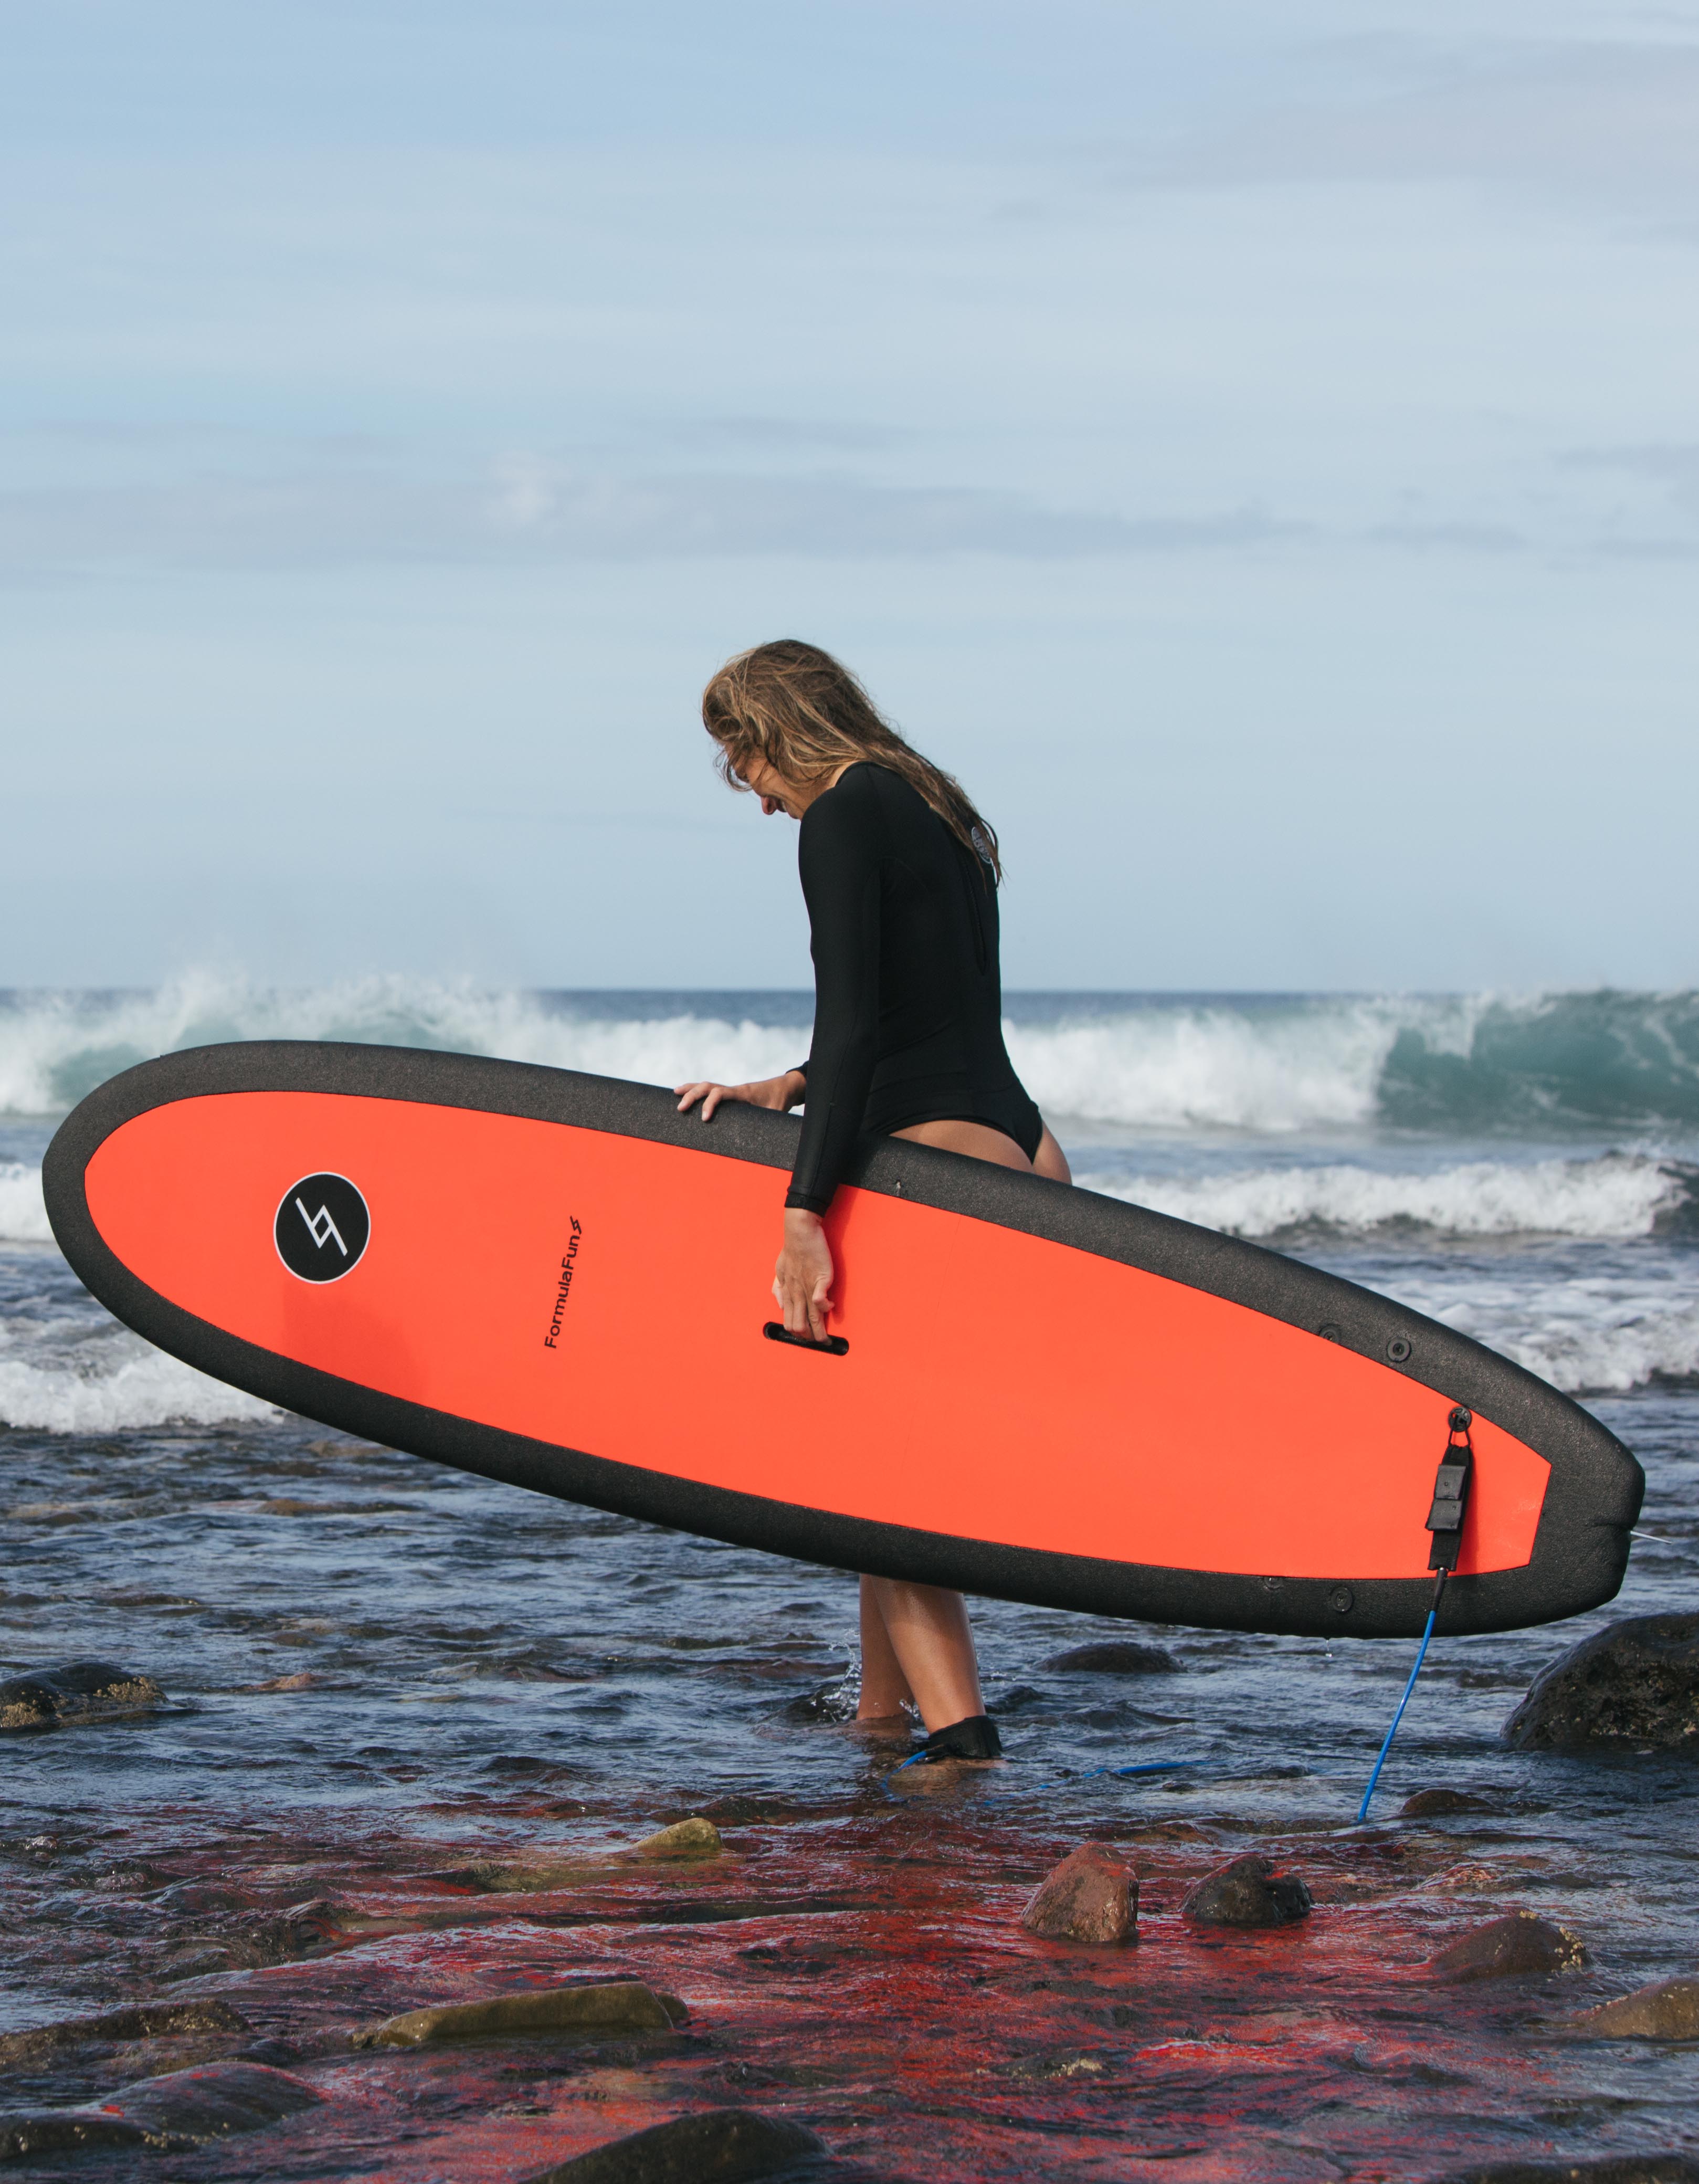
(1254, 1062)
(23, 1211)
(143, 1387)
(1599, 1335)
(1620, 1195)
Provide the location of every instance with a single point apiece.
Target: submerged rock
(1246, 1892)
(1614, 2169)
(1666, 2011)
(524, 1878)
(1071, 2063)
(1019, 1698)
(1092, 1896)
(727, 2146)
(81, 1690)
(1507, 1948)
(1117, 1659)
(152, 2020)
(1636, 1683)
(28, 2133)
(1471, 1881)
(833, 1702)
(692, 1838)
(1433, 1804)
(256, 1938)
(189, 2107)
(537, 1875)
(610, 2006)
(170, 2115)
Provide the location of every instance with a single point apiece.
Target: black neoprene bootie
(976, 1738)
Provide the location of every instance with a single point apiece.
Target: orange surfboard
(1033, 1391)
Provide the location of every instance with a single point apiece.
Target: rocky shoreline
(770, 1988)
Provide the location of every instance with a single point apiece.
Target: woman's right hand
(802, 1280)
(777, 1092)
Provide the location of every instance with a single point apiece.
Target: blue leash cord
(1066, 1782)
(1421, 1656)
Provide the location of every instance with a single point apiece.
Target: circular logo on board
(322, 1228)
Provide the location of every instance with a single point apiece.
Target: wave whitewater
(143, 1388)
(23, 1211)
(1617, 1196)
(1249, 1063)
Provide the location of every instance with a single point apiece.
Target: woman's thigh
(1050, 1160)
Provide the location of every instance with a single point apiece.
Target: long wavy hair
(806, 715)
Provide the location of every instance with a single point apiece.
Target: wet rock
(1092, 1896)
(197, 1897)
(26, 2134)
(725, 2146)
(1508, 1948)
(1245, 1891)
(1434, 1804)
(81, 1690)
(153, 2021)
(1121, 1658)
(1668, 2011)
(1615, 2169)
(170, 2115)
(739, 1811)
(100, 1680)
(1017, 1699)
(189, 2107)
(693, 1838)
(835, 1702)
(1471, 1881)
(531, 1879)
(1636, 1683)
(284, 1938)
(28, 1703)
(588, 2012)
(1071, 2063)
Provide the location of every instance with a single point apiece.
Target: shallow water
(381, 1674)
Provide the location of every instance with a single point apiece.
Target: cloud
(1672, 465)
(527, 509)
(1618, 118)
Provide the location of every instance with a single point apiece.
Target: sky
(1255, 446)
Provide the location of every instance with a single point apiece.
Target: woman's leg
(1051, 1161)
(916, 1640)
(885, 1688)
(927, 1639)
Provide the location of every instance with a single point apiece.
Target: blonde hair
(806, 715)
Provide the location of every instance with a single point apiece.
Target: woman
(899, 873)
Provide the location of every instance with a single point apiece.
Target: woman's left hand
(802, 1281)
(779, 1092)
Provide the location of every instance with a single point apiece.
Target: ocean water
(376, 1668)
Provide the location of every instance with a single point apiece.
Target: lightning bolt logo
(325, 1245)
(321, 1229)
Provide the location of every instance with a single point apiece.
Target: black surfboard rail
(1581, 1543)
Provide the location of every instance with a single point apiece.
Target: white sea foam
(1152, 1063)
(56, 1047)
(1178, 1067)
(1599, 1335)
(1618, 1195)
(23, 1212)
(143, 1388)
(1147, 1063)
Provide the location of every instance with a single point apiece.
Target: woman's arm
(779, 1092)
(840, 861)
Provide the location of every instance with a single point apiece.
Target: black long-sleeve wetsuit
(908, 1014)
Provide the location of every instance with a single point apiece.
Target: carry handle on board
(833, 1347)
